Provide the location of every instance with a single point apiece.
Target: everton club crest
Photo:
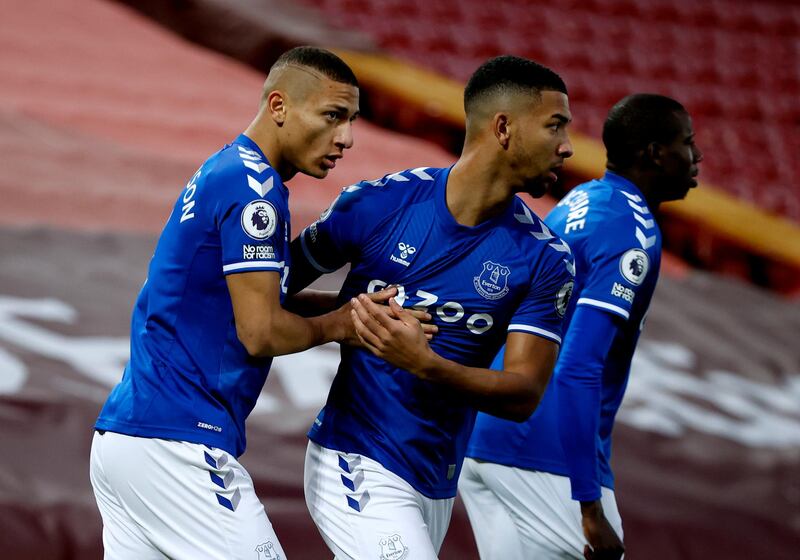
(492, 282)
(392, 548)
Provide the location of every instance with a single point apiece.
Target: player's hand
(381, 297)
(349, 335)
(604, 544)
(392, 333)
(423, 317)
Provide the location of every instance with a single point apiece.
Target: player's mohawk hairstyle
(636, 121)
(322, 60)
(510, 73)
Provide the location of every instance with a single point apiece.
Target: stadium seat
(734, 65)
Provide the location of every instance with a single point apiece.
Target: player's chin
(675, 196)
(538, 187)
(317, 172)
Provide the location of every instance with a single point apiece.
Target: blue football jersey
(509, 273)
(189, 378)
(617, 248)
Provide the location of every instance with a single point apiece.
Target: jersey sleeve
(337, 236)
(252, 228)
(578, 386)
(542, 310)
(616, 269)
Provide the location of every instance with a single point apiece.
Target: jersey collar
(447, 220)
(620, 182)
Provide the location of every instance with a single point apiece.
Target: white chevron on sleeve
(544, 234)
(570, 266)
(649, 224)
(420, 172)
(251, 157)
(633, 197)
(525, 217)
(247, 151)
(646, 242)
(352, 188)
(257, 167)
(261, 188)
(561, 246)
(640, 209)
(397, 177)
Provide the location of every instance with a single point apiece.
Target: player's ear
(655, 153)
(501, 129)
(276, 106)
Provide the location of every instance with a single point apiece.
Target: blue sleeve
(252, 228)
(578, 393)
(542, 310)
(616, 270)
(337, 236)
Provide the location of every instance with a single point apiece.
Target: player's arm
(267, 329)
(316, 252)
(578, 392)
(513, 393)
(321, 248)
(310, 303)
(305, 270)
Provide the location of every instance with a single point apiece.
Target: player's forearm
(311, 303)
(504, 394)
(287, 333)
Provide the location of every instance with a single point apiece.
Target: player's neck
(643, 182)
(474, 192)
(270, 146)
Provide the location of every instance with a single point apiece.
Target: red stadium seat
(733, 64)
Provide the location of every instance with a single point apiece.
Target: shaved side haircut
(321, 60)
(509, 74)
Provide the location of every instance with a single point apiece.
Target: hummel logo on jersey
(405, 250)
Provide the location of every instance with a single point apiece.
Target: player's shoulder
(584, 206)
(527, 226)
(239, 171)
(533, 236)
(626, 218)
(410, 183)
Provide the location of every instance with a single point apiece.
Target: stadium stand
(104, 115)
(715, 229)
(709, 54)
(736, 64)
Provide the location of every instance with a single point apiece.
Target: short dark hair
(510, 73)
(322, 60)
(636, 121)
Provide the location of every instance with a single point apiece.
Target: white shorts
(171, 499)
(365, 512)
(521, 514)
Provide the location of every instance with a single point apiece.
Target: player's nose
(698, 155)
(344, 136)
(565, 148)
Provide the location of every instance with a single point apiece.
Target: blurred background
(107, 108)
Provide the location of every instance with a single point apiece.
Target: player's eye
(332, 115)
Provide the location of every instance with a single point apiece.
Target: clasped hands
(399, 336)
